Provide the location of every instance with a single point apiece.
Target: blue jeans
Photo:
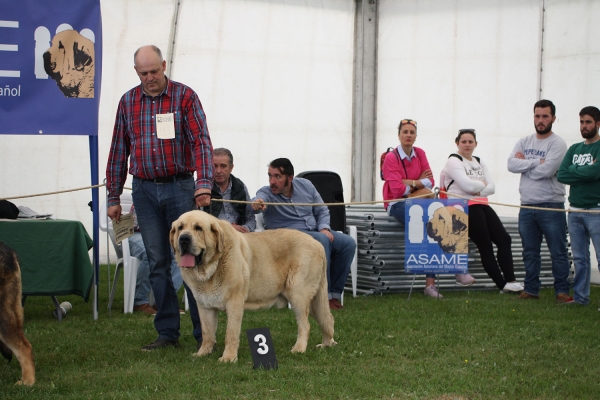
(157, 205)
(533, 226)
(142, 282)
(398, 211)
(582, 227)
(340, 254)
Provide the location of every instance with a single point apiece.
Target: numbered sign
(261, 347)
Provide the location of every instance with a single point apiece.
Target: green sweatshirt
(581, 170)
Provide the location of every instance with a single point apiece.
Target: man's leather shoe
(160, 344)
(145, 308)
(334, 304)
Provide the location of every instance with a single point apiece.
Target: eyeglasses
(408, 121)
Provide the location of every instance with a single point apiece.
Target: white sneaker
(465, 279)
(432, 291)
(513, 287)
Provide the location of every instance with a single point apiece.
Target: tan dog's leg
(235, 313)
(319, 309)
(208, 320)
(300, 305)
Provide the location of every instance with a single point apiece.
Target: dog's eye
(198, 227)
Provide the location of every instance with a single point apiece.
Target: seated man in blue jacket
(313, 220)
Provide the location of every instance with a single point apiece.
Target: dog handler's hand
(258, 205)
(202, 197)
(114, 212)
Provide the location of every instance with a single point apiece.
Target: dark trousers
(485, 228)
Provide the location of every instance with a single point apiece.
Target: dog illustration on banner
(449, 227)
(437, 239)
(69, 60)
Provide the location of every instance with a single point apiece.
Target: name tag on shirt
(165, 126)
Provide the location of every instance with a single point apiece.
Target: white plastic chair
(129, 263)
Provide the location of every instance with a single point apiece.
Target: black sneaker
(161, 343)
(198, 345)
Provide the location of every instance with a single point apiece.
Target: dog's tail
(319, 309)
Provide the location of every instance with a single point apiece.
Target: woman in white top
(466, 176)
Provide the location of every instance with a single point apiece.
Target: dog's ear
(459, 222)
(172, 237)
(219, 236)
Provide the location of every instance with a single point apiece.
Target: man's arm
(116, 167)
(197, 131)
(554, 157)
(262, 196)
(321, 213)
(250, 219)
(517, 163)
(572, 174)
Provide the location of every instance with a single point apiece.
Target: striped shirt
(134, 135)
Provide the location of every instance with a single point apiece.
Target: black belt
(172, 178)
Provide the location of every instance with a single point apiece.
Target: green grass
(470, 345)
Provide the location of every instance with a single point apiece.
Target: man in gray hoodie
(537, 157)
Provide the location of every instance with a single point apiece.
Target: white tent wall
(275, 79)
(460, 64)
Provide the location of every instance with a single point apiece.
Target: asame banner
(437, 236)
(50, 66)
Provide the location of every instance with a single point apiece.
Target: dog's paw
(327, 344)
(228, 358)
(203, 351)
(299, 348)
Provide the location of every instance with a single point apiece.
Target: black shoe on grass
(160, 344)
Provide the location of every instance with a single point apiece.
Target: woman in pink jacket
(406, 170)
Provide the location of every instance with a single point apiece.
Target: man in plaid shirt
(161, 128)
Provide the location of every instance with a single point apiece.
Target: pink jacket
(394, 172)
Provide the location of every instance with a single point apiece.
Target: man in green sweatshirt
(581, 171)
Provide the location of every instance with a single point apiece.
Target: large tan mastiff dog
(232, 271)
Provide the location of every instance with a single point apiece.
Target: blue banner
(437, 236)
(50, 66)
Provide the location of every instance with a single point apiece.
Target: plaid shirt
(135, 134)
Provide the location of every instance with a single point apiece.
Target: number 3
(262, 344)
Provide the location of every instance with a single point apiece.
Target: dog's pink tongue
(187, 261)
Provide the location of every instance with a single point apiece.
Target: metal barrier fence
(380, 245)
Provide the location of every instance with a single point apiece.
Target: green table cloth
(53, 255)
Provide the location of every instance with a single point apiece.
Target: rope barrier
(49, 193)
(437, 191)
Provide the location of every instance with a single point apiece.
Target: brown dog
(232, 271)
(70, 62)
(12, 339)
(449, 227)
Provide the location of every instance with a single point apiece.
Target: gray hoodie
(538, 181)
